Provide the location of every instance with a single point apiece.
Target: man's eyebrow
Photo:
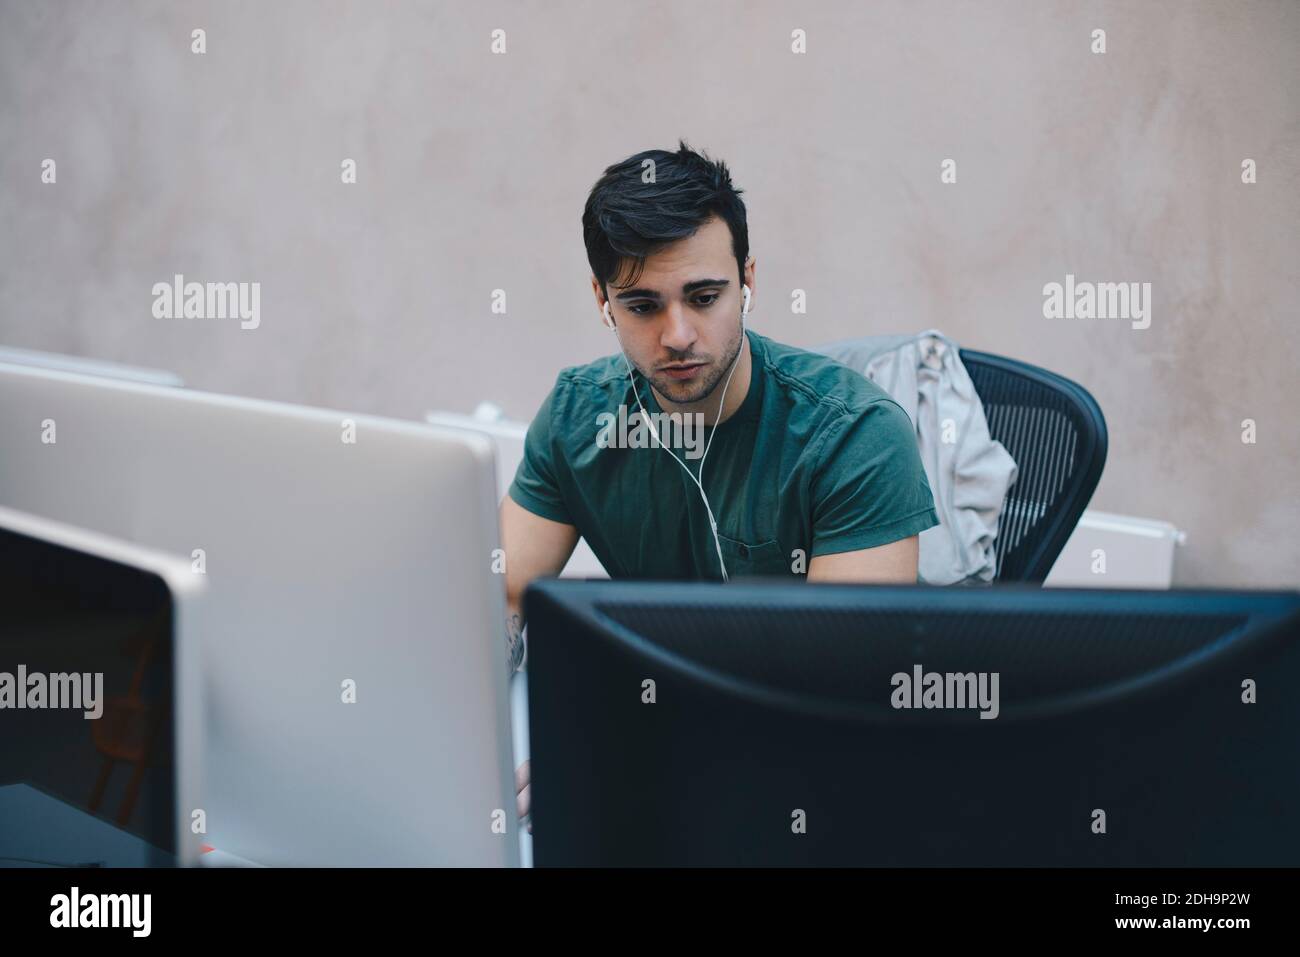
(687, 289)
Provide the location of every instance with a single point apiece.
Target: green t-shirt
(818, 458)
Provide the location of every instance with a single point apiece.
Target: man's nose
(678, 333)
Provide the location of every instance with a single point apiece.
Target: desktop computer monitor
(99, 712)
(355, 680)
(794, 724)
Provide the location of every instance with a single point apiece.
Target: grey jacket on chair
(969, 472)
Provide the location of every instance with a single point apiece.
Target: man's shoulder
(593, 385)
(579, 395)
(598, 372)
(816, 383)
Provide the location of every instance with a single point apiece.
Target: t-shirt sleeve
(869, 486)
(535, 487)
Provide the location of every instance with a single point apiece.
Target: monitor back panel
(769, 737)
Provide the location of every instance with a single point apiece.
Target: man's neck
(737, 391)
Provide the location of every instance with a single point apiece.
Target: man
(813, 470)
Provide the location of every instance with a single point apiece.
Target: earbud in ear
(609, 320)
(744, 309)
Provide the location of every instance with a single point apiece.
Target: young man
(812, 470)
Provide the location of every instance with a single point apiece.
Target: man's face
(680, 324)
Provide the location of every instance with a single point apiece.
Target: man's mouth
(683, 370)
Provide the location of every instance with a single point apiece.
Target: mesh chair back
(1055, 432)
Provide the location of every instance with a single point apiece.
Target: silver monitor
(356, 677)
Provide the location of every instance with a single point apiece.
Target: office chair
(1055, 432)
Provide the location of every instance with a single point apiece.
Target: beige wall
(473, 168)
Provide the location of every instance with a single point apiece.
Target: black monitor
(89, 773)
(792, 724)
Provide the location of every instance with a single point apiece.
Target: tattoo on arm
(515, 641)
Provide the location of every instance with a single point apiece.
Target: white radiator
(1117, 551)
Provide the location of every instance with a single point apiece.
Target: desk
(41, 827)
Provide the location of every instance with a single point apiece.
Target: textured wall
(473, 167)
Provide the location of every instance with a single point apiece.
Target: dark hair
(626, 218)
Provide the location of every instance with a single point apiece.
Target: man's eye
(640, 309)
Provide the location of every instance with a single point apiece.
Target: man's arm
(534, 547)
(870, 499)
(895, 563)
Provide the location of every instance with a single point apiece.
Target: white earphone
(744, 311)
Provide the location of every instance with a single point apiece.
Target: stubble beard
(687, 393)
